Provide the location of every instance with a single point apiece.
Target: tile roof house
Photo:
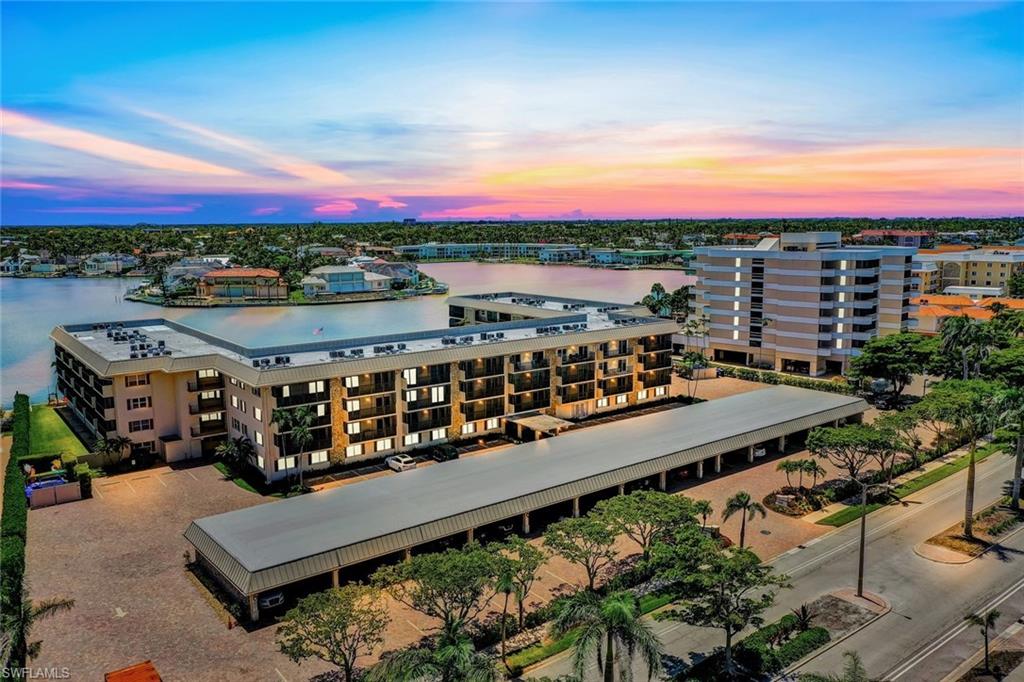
(243, 283)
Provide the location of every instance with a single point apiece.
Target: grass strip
(51, 436)
(237, 480)
(844, 516)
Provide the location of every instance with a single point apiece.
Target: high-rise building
(801, 302)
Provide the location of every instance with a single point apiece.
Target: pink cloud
(266, 210)
(337, 207)
(391, 203)
(18, 184)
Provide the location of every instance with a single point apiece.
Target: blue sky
(132, 112)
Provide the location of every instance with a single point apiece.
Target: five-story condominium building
(177, 392)
(801, 302)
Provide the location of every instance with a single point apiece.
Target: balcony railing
(616, 386)
(660, 377)
(581, 355)
(372, 411)
(372, 434)
(480, 389)
(616, 370)
(433, 377)
(661, 342)
(484, 409)
(576, 374)
(613, 351)
(521, 383)
(428, 419)
(322, 440)
(485, 367)
(371, 387)
(210, 428)
(656, 360)
(203, 406)
(531, 401)
(572, 394)
(206, 384)
(529, 365)
(303, 398)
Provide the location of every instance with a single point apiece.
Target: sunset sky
(216, 112)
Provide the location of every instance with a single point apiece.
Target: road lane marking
(951, 634)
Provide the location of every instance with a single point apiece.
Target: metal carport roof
(274, 544)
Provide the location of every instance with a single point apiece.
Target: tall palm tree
(17, 624)
(967, 339)
(299, 422)
(1010, 405)
(986, 622)
(748, 508)
(810, 467)
(452, 658)
(788, 466)
(610, 630)
(853, 671)
(505, 585)
(704, 508)
(119, 445)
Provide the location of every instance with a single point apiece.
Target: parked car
(271, 600)
(400, 462)
(444, 453)
(760, 452)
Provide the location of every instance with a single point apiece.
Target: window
(235, 424)
(352, 428)
(259, 437)
(318, 457)
(602, 402)
(410, 376)
(354, 450)
(209, 395)
(139, 403)
(660, 390)
(211, 417)
(208, 374)
(468, 428)
(437, 394)
(641, 395)
(245, 429)
(351, 405)
(140, 425)
(234, 381)
(491, 424)
(286, 391)
(255, 391)
(620, 399)
(316, 387)
(234, 401)
(321, 409)
(257, 413)
(243, 407)
(385, 444)
(411, 439)
(410, 396)
(136, 380)
(284, 463)
(259, 461)
(352, 382)
(437, 434)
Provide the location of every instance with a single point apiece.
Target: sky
(281, 112)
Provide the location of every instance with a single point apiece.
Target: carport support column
(254, 608)
(835, 424)
(700, 469)
(575, 507)
(408, 554)
(622, 488)
(718, 464)
(526, 523)
(469, 535)
(663, 481)
(750, 453)
(336, 578)
(782, 444)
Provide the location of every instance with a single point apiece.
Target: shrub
(69, 463)
(14, 516)
(84, 476)
(747, 374)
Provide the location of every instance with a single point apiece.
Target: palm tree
(505, 584)
(299, 422)
(853, 671)
(704, 508)
(235, 452)
(610, 630)
(18, 624)
(811, 468)
(788, 466)
(452, 658)
(748, 508)
(986, 622)
(968, 339)
(1010, 405)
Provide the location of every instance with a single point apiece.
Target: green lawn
(237, 480)
(51, 436)
(844, 516)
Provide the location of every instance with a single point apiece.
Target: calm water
(30, 308)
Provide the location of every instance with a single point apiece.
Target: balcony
(615, 351)
(484, 410)
(535, 381)
(483, 367)
(206, 384)
(581, 355)
(572, 394)
(615, 371)
(372, 410)
(388, 431)
(576, 374)
(428, 419)
(321, 440)
(529, 365)
(303, 398)
(204, 406)
(658, 360)
(660, 377)
(438, 374)
(650, 344)
(531, 401)
(616, 386)
(480, 388)
(209, 428)
(371, 387)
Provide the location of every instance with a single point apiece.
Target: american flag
(318, 331)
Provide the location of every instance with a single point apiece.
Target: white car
(759, 452)
(272, 600)
(400, 462)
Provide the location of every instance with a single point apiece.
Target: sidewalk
(825, 512)
(1010, 639)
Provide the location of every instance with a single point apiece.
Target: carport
(268, 546)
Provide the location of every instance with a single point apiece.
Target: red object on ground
(140, 672)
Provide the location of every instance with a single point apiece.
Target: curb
(968, 560)
(834, 643)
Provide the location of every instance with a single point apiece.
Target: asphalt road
(928, 599)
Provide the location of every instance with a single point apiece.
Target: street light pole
(863, 536)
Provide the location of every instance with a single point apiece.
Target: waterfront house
(407, 274)
(243, 283)
(108, 264)
(343, 279)
(637, 256)
(13, 266)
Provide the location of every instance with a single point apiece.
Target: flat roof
(273, 544)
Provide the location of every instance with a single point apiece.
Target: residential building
(14, 265)
(108, 264)
(505, 250)
(406, 274)
(932, 310)
(915, 239)
(177, 391)
(801, 302)
(187, 270)
(243, 283)
(988, 266)
(637, 256)
(342, 279)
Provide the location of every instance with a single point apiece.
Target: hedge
(14, 522)
(785, 379)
